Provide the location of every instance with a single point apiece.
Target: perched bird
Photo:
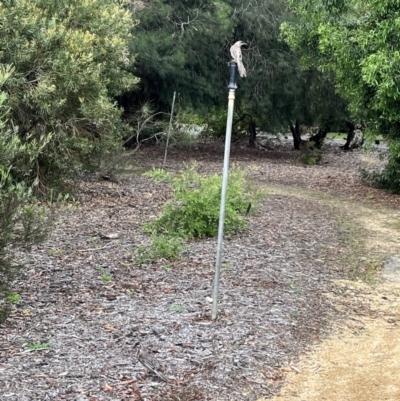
(236, 53)
(145, 359)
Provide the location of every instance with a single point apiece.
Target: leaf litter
(273, 294)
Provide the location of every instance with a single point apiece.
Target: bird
(236, 53)
(145, 359)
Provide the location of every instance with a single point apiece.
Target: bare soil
(359, 360)
(302, 313)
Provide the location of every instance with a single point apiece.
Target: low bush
(162, 246)
(309, 154)
(194, 209)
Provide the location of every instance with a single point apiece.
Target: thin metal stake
(169, 130)
(231, 102)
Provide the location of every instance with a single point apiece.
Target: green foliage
(216, 124)
(181, 46)
(184, 47)
(187, 116)
(55, 252)
(37, 346)
(69, 58)
(106, 278)
(389, 177)
(277, 90)
(22, 223)
(180, 139)
(309, 154)
(194, 209)
(162, 246)
(359, 42)
(13, 298)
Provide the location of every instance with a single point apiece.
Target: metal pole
(169, 130)
(231, 101)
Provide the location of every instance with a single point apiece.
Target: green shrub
(389, 177)
(194, 209)
(70, 60)
(162, 246)
(22, 222)
(309, 154)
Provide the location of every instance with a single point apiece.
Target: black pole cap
(233, 74)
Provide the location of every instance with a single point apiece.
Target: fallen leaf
(107, 388)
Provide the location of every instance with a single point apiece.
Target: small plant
(37, 346)
(162, 247)
(193, 211)
(295, 315)
(143, 255)
(13, 298)
(310, 155)
(106, 278)
(55, 252)
(176, 308)
(296, 290)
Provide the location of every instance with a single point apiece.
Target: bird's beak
(244, 44)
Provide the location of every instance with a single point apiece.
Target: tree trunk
(350, 135)
(253, 133)
(297, 141)
(318, 138)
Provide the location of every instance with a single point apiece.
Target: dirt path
(351, 365)
(360, 359)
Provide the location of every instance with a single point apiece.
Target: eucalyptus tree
(359, 42)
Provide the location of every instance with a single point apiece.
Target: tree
(359, 42)
(70, 59)
(278, 93)
(185, 47)
(181, 46)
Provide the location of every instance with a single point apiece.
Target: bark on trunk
(350, 134)
(253, 133)
(295, 129)
(318, 138)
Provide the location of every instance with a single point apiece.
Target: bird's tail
(242, 70)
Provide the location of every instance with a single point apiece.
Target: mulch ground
(272, 302)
